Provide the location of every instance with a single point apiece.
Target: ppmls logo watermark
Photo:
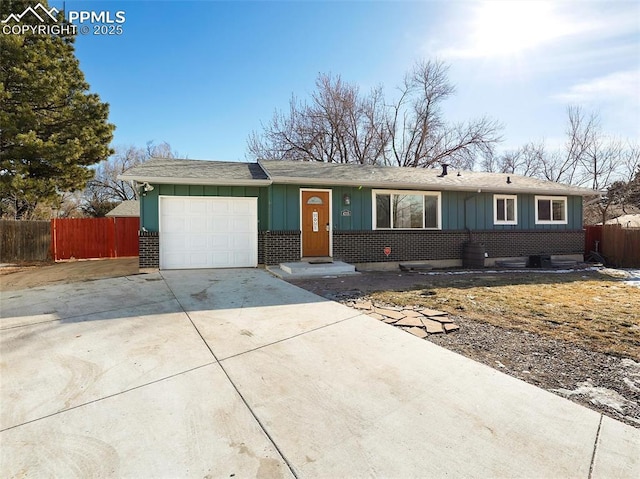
(85, 22)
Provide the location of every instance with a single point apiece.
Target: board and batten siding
(279, 208)
(149, 203)
(284, 204)
(462, 210)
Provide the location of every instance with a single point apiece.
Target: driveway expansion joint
(595, 446)
(119, 393)
(291, 337)
(235, 387)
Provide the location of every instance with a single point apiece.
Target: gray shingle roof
(126, 208)
(317, 173)
(171, 170)
(163, 170)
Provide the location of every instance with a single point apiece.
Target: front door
(315, 223)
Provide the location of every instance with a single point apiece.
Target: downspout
(135, 185)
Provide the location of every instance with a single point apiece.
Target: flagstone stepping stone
(410, 313)
(451, 327)
(363, 305)
(377, 316)
(416, 332)
(432, 327)
(433, 312)
(389, 313)
(408, 321)
(441, 319)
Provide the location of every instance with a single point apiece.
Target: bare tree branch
(342, 125)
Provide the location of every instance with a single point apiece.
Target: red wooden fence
(593, 233)
(83, 238)
(619, 246)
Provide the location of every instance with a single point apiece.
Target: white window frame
(496, 221)
(374, 217)
(551, 199)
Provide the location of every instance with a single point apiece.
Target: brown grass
(587, 308)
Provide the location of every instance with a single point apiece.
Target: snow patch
(597, 395)
(633, 278)
(631, 370)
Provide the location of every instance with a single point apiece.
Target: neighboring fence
(82, 238)
(592, 239)
(621, 246)
(24, 241)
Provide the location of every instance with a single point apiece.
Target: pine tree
(51, 127)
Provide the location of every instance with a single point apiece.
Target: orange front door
(315, 223)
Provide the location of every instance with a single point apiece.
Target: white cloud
(495, 29)
(622, 85)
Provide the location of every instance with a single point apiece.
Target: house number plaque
(315, 221)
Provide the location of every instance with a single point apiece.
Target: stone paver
(417, 332)
(389, 313)
(409, 321)
(429, 321)
(432, 312)
(432, 327)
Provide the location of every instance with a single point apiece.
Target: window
(551, 210)
(505, 210)
(406, 210)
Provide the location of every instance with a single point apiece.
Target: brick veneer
(368, 246)
(149, 245)
(276, 247)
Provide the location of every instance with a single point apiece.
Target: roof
(318, 173)
(197, 172)
(627, 221)
(126, 208)
(312, 173)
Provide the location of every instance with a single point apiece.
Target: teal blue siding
(285, 207)
(279, 208)
(355, 216)
(461, 210)
(149, 204)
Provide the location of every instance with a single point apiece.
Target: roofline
(421, 186)
(193, 181)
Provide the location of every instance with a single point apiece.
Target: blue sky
(202, 75)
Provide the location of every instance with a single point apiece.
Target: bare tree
(590, 158)
(342, 125)
(527, 160)
(105, 190)
(419, 134)
(338, 125)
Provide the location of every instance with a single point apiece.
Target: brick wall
(368, 246)
(149, 249)
(276, 247)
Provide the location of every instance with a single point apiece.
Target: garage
(208, 232)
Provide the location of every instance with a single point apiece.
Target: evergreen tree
(51, 128)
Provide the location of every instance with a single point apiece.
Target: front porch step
(305, 268)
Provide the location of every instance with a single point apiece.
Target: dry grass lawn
(588, 308)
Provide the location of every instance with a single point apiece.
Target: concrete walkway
(234, 373)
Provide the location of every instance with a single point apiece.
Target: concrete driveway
(234, 373)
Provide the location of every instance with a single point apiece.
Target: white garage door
(209, 232)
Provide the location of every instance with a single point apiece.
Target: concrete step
(304, 268)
